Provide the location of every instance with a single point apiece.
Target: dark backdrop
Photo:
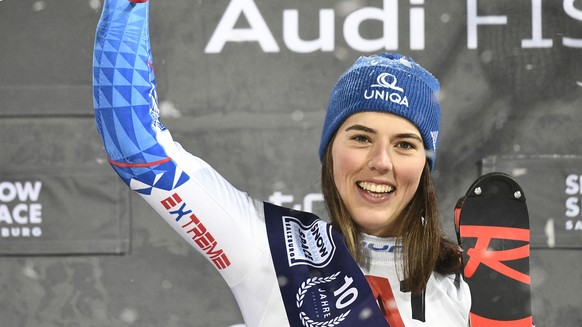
(80, 250)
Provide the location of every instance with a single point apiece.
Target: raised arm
(192, 197)
(225, 225)
(125, 99)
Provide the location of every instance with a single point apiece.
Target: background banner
(43, 212)
(244, 85)
(554, 200)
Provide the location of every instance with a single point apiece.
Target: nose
(380, 160)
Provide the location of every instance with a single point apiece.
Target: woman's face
(378, 159)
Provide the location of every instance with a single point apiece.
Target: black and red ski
(492, 226)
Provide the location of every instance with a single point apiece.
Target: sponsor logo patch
(308, 245)
(387, 90)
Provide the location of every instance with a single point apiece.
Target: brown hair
(425, 247)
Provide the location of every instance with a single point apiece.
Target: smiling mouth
(376, 190)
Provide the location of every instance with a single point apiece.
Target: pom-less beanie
(388, 83)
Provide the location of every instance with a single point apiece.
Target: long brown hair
(425, 247)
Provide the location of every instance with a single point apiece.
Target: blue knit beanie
(388, 83)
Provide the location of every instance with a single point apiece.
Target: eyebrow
(409, 136)
(358, 127)
(362, 128)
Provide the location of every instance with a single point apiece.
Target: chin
(375, 229)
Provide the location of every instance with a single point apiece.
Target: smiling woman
(377, 155)
(377, 162)
(382, 262)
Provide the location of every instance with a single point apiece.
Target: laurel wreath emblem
(310, 282)
(306, 285)
(307, 322)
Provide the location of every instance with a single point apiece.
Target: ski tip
(494, 183)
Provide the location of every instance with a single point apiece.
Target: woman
(284, 267)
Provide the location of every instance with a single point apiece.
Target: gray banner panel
(553, 189)
(63, 213)
(57, 100)
(58, 194)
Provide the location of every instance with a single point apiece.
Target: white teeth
(376, 188)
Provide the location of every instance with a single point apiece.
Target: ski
(492, 226)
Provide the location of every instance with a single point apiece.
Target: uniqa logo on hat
(385, 83)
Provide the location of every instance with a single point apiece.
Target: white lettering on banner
(572, 207)
(6, 232)
(20, 215)
(26, 191)
(577, 15)
(388, 15)
(389, 18)
(259, 30)
(536, 26)
(291, 37)
(574, 225)
(573, 204)
(573, 184)
(416, 26)
(473, 21)
(536, 41)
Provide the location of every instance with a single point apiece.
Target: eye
(361, 138)
(405, 145)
